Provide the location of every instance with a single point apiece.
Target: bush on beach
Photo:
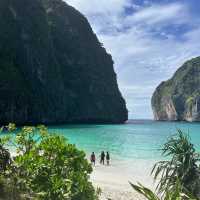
(178, 176)
(174, 194)
(45, 167)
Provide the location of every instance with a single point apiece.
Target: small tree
(178, 176)
(4, 156)
(174, 194)
(181, 166)
(47, 167)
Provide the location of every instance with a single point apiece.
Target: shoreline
(114, 179)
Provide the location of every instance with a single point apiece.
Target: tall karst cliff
(179, 97)
(53, 69)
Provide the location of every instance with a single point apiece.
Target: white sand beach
(114, 179)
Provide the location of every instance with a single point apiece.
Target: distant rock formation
(53, 69)
(179, 97)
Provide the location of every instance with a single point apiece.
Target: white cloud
(90, 7)
(160, 13)
(143, 51)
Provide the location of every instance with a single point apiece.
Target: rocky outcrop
(179, 97)
(168, 111)
(53, 69)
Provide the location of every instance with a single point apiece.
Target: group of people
(103, 156)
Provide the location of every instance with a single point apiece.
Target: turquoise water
(137, 140)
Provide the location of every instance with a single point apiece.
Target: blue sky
(148, 39)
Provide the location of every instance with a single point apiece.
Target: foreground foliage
(182, 166)
(46, 167)
(175, 194)
(177, 176)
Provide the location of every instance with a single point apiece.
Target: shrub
(181, 166)
(175, 194)
(47, 167)
(179, 176)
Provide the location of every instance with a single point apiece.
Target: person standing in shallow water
(93, 158)
(102, 157)
(108, 158)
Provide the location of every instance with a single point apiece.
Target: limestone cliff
(179, 97)
(53, 69)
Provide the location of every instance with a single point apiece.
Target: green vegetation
(178, 176)
(47, 76)
(182, 90)
(182, 166)
(4, 155)
(175, 194)
(46, 167)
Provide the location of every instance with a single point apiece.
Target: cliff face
(179, 97)
(53, 68)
